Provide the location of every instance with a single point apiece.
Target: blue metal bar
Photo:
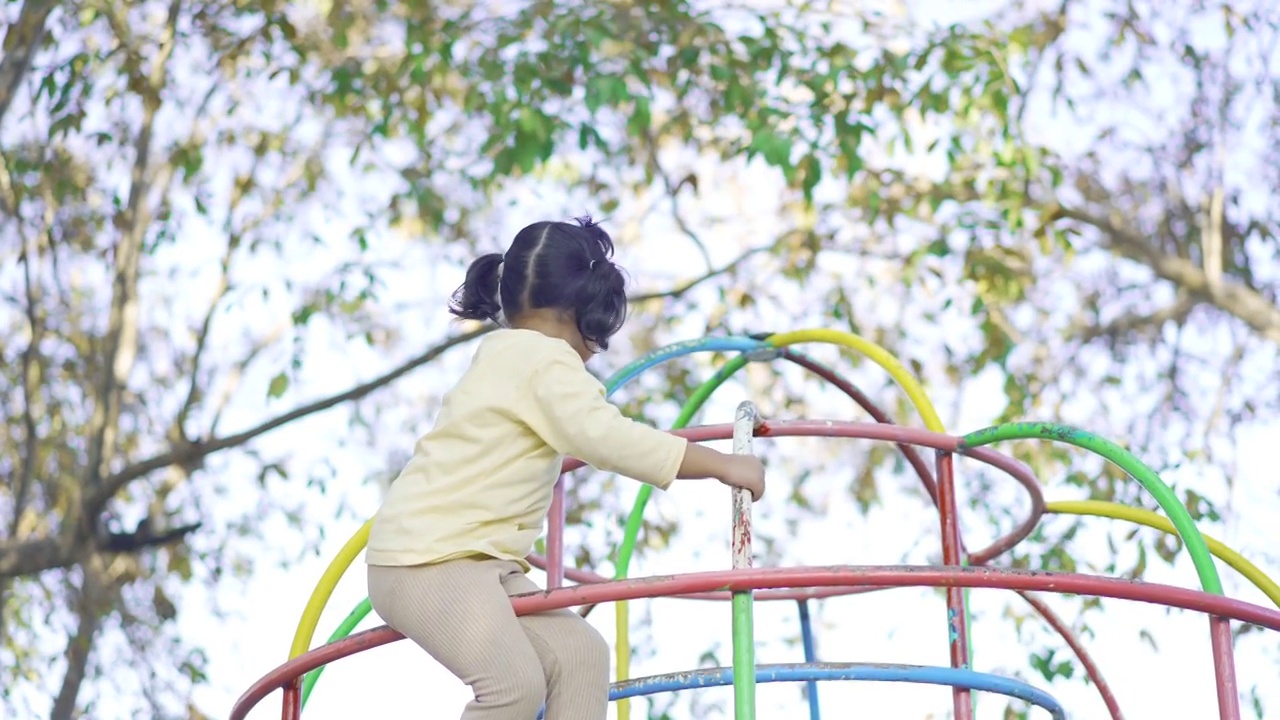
(953, 677)
(810, 657)
(680, 349)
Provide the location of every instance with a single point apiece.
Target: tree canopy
(1070, 202)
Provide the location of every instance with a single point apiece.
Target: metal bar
(555, 538)
(1224, 668)
(291, 705)
(810, 657)
(772, 578)
(744, 651)
(1090, 667)
(958, 633)
(875, 672)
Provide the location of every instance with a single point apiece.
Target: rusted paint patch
(742, 535)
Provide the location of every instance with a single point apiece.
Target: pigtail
(604, 243)
(602, 304)
(478, 298)
(601, 308)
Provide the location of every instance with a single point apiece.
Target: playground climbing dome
(743, 584)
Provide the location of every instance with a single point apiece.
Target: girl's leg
(460, 614)
(573, 655)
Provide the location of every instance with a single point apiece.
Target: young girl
(448, 546)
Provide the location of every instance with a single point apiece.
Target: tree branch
(224, 281)
(1234, 298)
(34, 555)
(673, 194)
(21, 42)
(202, 338)
(80, 646)
(120, 346)
(686, 286)
(30, 379)
(1115, 330)
(237, 373)
(146, 536)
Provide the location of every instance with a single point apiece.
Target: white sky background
(906, 626)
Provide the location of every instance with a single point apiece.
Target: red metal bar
(291, 706)
(1224, 668)
(983, 557)
(957, 630)
(1090, 667)
(586, 576)
(772, 578)
(822, 428)
(838, 428)
(897, 434)
(910, 453)
(555, 538)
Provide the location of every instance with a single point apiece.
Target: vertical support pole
(744, 651)
(1224, 668)
(291, 707)
(958, 631)
(810, 657)
(555, 538)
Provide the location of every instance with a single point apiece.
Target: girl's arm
(701, 462)
(566, 406)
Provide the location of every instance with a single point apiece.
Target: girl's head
(555, 267)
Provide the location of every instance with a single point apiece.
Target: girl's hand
(746, 472)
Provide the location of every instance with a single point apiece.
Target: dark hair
(550, 265)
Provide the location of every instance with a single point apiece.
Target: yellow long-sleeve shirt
(480, 482)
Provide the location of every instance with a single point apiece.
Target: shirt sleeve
(569, 411)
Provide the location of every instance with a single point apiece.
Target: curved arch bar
(324, 588)
(1091, 668)
(345, 628)
(875, 353)
(860, 398)
(774, 578)
(1224, 663)
(1126, 461)
(1139, 516)
(874, 672)
(633, 369)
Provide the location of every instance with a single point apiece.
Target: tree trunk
(89, 608)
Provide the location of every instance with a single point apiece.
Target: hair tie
(592, 266)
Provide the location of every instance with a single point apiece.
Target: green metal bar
(744, 645)
(1191, 537)
(348, 624)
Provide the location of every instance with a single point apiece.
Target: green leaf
(279, 384)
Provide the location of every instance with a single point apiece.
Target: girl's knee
(523, 689)
(590, 650)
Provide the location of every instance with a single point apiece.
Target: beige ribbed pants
(460, 613)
